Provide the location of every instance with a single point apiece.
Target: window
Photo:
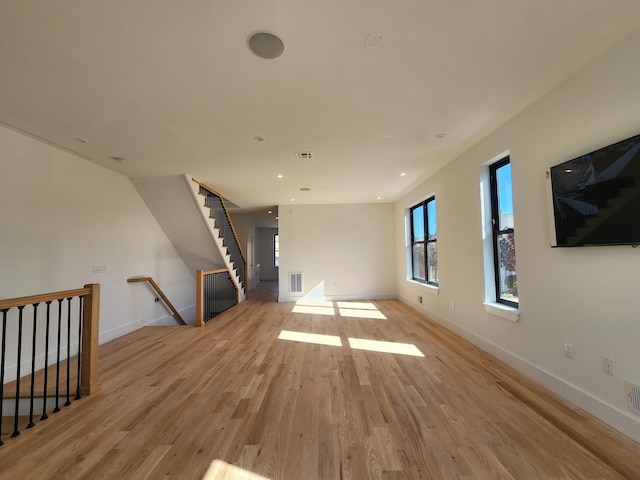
(276, 250)
(504, 252)
(424, 244)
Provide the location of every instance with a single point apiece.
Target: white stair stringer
(217, 240)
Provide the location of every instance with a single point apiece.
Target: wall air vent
(304, 155)
(295, 282)
(633, 397)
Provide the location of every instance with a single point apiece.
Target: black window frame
(425, 208)
(495, 228)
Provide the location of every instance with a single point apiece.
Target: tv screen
(596, 197)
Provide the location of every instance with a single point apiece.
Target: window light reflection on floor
(219, 470)
(315, 338)
(360, 310)
(385, 347)
(358, 313)
(397, 348)
(357, 305)
(314, 308)
(345, 309)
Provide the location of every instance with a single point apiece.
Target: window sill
(430, 288)
(503, 311)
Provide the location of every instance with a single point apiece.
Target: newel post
(90, 331)
(199, 298)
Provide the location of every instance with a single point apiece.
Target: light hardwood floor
(318, 403)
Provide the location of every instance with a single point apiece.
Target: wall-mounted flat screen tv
(596, 197)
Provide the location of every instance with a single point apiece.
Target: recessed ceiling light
(279, 175)
(119, 159)
(269, 212)
(265, 45)
(379, 198)
(305, 189)
(293, 199)
(441, 135)
(402, 174)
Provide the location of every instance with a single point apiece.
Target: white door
(251, 277)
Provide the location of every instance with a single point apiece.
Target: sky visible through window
(505, 196)
(418, 224)
(431, 218)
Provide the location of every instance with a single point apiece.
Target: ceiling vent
(304, 155)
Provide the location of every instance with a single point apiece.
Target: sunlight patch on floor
(314, 308)
(358, 313)
(344, 309)
(315, 338)
(357, 305)
(385, 347)
(219, 470)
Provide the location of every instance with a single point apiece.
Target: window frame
(426, 241)
(495, 227)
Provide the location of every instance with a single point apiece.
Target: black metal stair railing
(215, 293)
(67, 330)
(226, 231)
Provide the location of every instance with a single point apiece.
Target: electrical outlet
(608, 366)
(568, 350)
(419, 298)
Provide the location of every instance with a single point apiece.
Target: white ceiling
(172, 87)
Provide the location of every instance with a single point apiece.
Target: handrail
(217, 270)
(204, 291)
(44, 297)
(90, 328)
(157, 289)
(226, 211)
(87, 316)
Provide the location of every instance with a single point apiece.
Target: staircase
(609, 197)
(196, 220)
(217, 217)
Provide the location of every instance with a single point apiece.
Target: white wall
(343, 251)
(590, 296)
(264, 253)
(61, 214)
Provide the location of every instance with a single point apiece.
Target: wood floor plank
(172, 400)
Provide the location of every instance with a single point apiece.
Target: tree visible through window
(276, 250)
(424, 244)
(504, 250)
